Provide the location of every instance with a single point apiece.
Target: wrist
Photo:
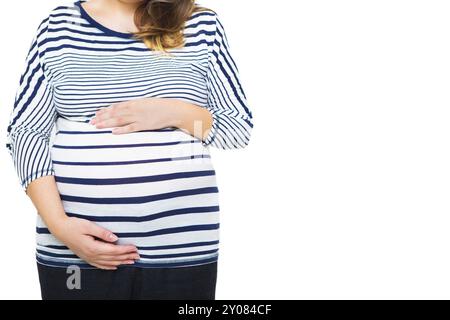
(176, 113)
(57, 226)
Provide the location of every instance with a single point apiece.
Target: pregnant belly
(151, 188)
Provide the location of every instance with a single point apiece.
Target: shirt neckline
(94, 22)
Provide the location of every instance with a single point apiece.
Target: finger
(113, 249)
(101, 233)
(104, 109)
(108, 112)
(132, 127)
(98, 113)
(104, 267)
(101, 115)
(114, 121)
(128, 256)
(115, 263)
(115, 108)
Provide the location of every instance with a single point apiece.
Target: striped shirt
(155, 189)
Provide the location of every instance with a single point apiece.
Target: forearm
(45, 196)
(195, 120)
(79, 235)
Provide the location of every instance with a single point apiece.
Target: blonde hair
(161, 22)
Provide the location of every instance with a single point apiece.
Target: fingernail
(130, 262)
(113, 237)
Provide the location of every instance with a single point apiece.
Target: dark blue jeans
(127, 282)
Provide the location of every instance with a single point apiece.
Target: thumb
(101, 233)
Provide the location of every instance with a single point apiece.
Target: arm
(225, 123)
(78, 234)
(139, 114)
(195, 120)
(30, 125)
(232, 119)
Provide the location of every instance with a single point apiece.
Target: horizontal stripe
(131, 180)
(118, 163)
(50, 254)
(143, 199)
(176, 255)
(152, 233)
(139, 145)
(168, 231)
(150, 217)
(175, 246)
(109, 131)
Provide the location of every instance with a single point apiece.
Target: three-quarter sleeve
(232, 119)
(32, 118)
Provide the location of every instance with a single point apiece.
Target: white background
(343, 192)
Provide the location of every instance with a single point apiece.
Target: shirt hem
(62, 263)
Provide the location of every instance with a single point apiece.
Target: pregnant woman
(126, 193)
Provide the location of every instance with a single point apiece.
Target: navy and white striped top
(154, 188)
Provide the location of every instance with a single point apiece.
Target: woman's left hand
(135, 115)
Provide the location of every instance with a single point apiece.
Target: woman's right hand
(78, 235)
